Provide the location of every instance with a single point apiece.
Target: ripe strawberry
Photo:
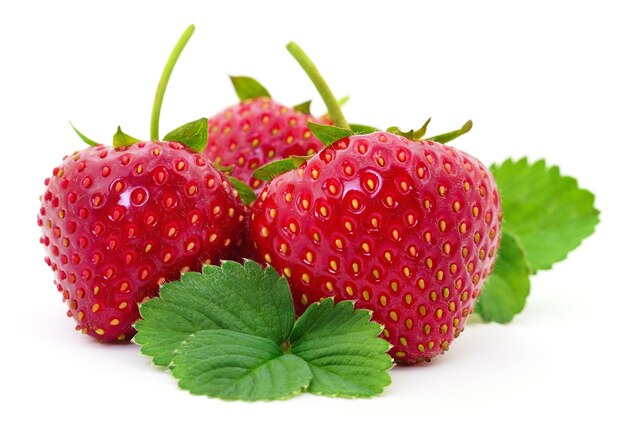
(256, 131)
(407, 229)
(116, 223)
(119, 221)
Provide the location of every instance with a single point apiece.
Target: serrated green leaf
(245, 192)
(363, 129)
(449, 136)
(235, 366)
(343, 350)
(247, 88)
(328, 134)
(88, 141)
(504, 294)
(305, 107)
(121, 139)
(194, 135)
(271, 170)
(546, 211)
(242, 298)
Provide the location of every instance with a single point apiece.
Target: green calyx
(248, 88)
(304, 107)
(194, 135)
(417, 135)
(245, 192)
(88, 141)
(333, 106)
(272, 170)
(121, 139)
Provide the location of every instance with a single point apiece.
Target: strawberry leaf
(328, 134)
(245, 192)
(248, 88)
(271, 170)
(414, 135)
(325, 336)
(504, 294)
(229, 332)
(305, 107)
(449, 136)
(194, 135)
(88, 141)
(121, 139)
(230, 365)
(242, 298)
(547, 212)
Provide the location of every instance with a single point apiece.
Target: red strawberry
(407, 229)
(118, 222)
(256, 131)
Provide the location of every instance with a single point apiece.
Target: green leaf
(121, 139)
(547, 212)
(328, 134)
(449, 136)
(245, 192)
(194, 135)
(247, 88)
(305, 107)
(83, 137)
(243, 298)
(504, 294)
(343, 350)
(231, 365)
(363, 129)
(271, 170)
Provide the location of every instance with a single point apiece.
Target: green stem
(165, 77)
(334, 109)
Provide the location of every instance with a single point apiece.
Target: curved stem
(334, 109)
(165, 77)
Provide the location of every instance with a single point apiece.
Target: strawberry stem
(334, 108)
(165, 77)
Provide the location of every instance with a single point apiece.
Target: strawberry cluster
(405, 227)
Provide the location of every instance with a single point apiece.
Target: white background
(543, 79)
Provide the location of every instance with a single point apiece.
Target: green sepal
(414, 135)
(245, 192)
(121, 139)
(449, 136)
(88, 141)
(328, 134)
(272, 170)
(363, 129)
(248, 88)
(194, 135)
(224, 169)
(305, 107)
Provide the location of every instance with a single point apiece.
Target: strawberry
(119, 221)
(256, 131)
(406, 228)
